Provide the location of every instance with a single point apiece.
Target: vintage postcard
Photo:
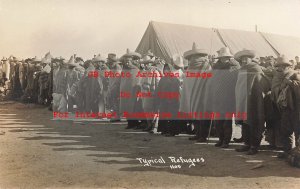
(150, 94)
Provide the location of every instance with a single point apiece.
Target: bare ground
(37, 152)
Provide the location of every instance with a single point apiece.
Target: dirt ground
(37, 152)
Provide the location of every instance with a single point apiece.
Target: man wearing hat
(5, 69)
(35, 96)
(191, 99)
(60, 86)
(72, 77)
(177, 67)
(169, 126)
(286, 95)
(113, 96)
(23, 69)
(148, 86)
(32, 88)
(43, 81)
(128, 88)
(221, 90)
(12, 62)
(297, 63)
(101, 68)
(17, 88)
(249, 93)
(90, 89)
(1, 72)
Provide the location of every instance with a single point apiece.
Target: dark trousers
(252, 134)
(289, 125)
(133, 123)
(169, 126)
(201, 128)
(224, 130)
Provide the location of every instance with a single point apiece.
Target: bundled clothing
(287, 98)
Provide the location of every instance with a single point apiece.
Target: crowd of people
(196, 93)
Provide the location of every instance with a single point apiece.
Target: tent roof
(165, 40)
(238, 40)
(287, 45)
(176, 39)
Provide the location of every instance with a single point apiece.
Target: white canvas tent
(165, 40)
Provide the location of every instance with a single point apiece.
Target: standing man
(60, 86)
(297, 67)
(191, 99)
(222, 94)
(251, 87)
(113, 90)
(72, 77)
(90, 88)
(101, 68)
(128, 88)
(149, 85)
(286, 95)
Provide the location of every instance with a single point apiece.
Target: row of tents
(165, 40)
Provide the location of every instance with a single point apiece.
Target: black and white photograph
(125, 94)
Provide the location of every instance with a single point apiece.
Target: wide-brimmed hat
(149, 53)
(14, 59)
(195, 51)
(98, 58)
(283, 60)
(38, 66)
(224, 52)
(48, 55)
(79, 59)
(72, 62)
(147, 59)
(133, 55)
(178, 60)
(46, 60)
(244, 52)
(112, 57)
(35, 60)
(57, 60)
(4, 59)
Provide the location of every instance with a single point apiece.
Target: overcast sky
(88, 27)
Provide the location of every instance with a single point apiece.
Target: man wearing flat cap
(191, 99)
(251, 87)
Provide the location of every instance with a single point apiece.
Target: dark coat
(250, 89)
